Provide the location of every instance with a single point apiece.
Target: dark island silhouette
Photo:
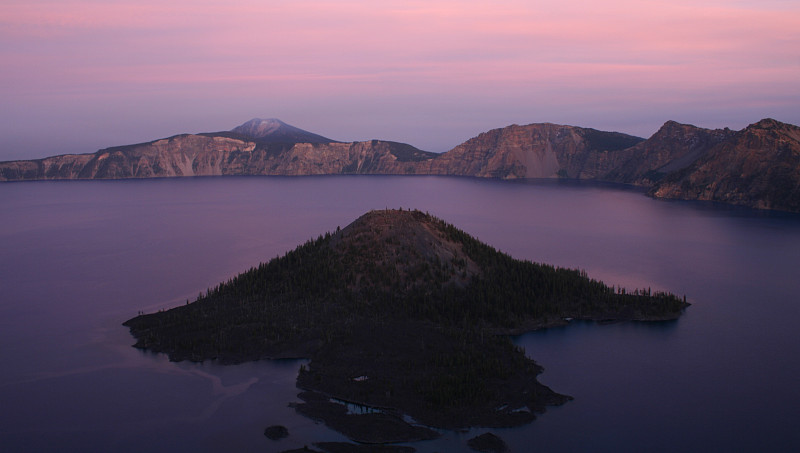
(403, 313)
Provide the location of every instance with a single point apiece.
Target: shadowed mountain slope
(674, 147)
(758, 166)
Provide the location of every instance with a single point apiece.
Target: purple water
(79, 258)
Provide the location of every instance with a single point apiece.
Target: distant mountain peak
(672, 125)
(273, 130)
(673, 129)
(767, 123)
(264, 123)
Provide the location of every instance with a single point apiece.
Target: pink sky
(77, 76)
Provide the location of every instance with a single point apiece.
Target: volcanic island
(403, 313)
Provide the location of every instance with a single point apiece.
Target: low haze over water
(79, 258)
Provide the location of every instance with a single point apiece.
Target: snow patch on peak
(275, 130)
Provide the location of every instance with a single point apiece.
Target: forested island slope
(758, 166)
(402, 311)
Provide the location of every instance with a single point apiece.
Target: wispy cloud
(551, 54)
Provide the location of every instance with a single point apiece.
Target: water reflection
(79, 258)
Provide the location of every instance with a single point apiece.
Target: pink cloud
(506, 56)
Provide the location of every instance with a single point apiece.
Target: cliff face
(372, 157)
(268, 147)
(533, 151)
(510, 152)
(183, 155)
(206, 155)
(675, 146)
(758, 167)
(65, 166)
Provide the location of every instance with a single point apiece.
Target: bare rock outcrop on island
(756, 167)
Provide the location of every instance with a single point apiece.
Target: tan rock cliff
(756, 167)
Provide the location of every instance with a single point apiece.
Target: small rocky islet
(403, 313)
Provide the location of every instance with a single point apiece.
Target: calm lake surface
(79, 258)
